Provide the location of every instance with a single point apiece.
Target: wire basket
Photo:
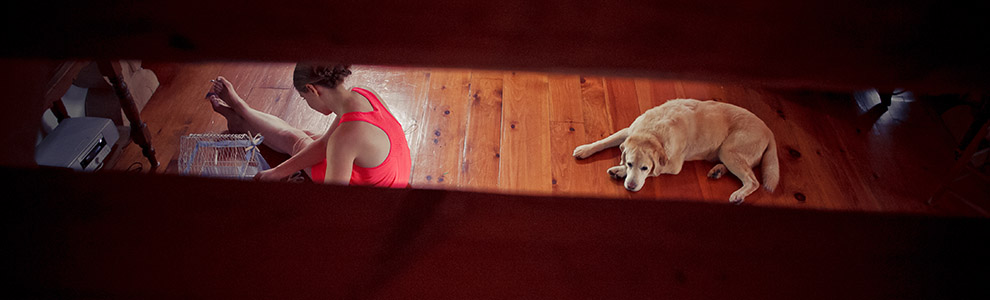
(233, 156)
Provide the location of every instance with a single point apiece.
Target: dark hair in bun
(328, 75)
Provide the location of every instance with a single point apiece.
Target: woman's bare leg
(241, 118)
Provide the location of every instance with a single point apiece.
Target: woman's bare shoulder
(354, 133)
(373, 92)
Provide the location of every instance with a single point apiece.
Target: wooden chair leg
(139, 130)
(58, 109)
(963, 160)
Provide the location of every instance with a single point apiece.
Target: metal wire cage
(232, 156)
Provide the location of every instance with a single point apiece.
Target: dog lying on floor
(660, 140)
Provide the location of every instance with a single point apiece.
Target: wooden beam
(925, 45)
(24, 85)
(201, 238)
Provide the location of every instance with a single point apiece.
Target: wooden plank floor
(513, 132)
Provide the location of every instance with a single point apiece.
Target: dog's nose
(631, 186)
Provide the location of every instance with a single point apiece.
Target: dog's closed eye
(643, 168)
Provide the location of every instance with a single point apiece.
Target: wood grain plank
(598, 125)
(565, 95)
(273, 101)
(437, 161)
(586, 177)
(245, 76)
(278, 75)
(805, 178)
(623, 104)
(570, 176)
(482, 144)
(525, 159)
(819, 139)
(567, 131)
(644, 94)
(652, 93)
(594, 107)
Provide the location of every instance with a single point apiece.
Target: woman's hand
(273, 174)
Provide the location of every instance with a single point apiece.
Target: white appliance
(81, 143)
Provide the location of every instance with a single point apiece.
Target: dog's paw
(617, 172)
(717, 171)
(583, 151)
(737, 198)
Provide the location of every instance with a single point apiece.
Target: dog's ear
(622, 154)
(659, 157)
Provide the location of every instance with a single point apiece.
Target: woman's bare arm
(347, 142)
(312, 154)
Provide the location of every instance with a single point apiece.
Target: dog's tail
(771, 167)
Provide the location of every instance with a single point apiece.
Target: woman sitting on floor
(365, 144)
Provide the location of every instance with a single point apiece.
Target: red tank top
(394, 171)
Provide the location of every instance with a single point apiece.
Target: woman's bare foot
(235, 123)
(223, 89)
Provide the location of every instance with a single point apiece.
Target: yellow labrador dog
(660, 140)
